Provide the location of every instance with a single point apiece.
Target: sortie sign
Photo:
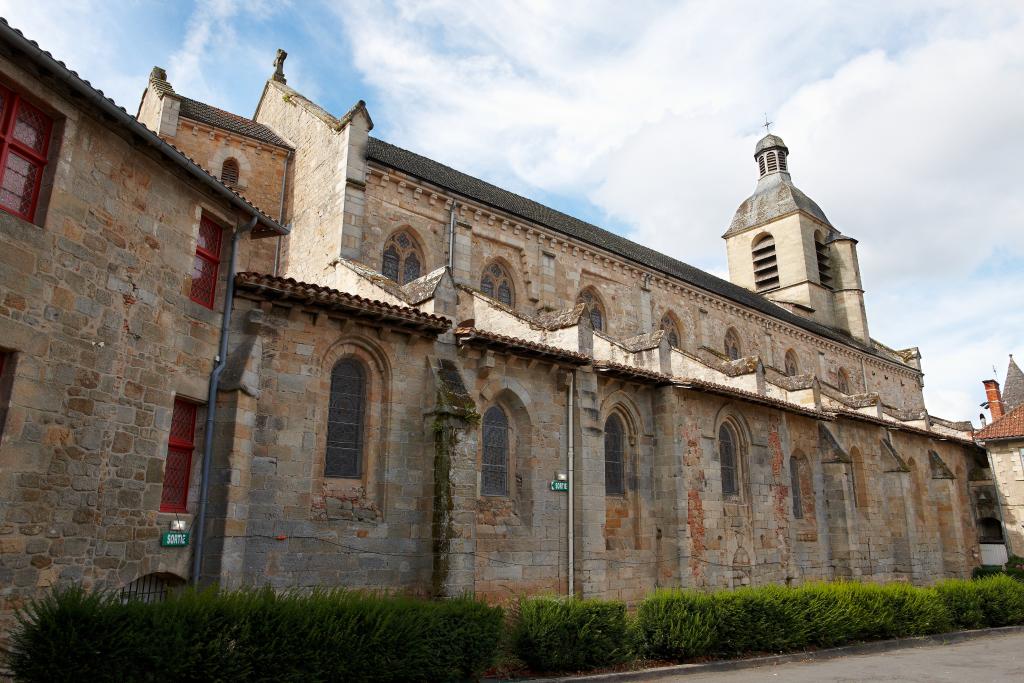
(174, 539)
(559, 485)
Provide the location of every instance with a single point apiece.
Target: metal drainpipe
(572, 489)
(280, 214)
(211, 400)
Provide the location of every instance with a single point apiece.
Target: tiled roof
(210, 115)
(633, 373)
(46, 63)
(517, 345)
(476, 189)
(287, 289)
(1009, 426)
(854, 415)
(723, 390)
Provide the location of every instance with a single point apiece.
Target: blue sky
(903, 121)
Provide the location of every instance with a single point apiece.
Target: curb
(809, 656)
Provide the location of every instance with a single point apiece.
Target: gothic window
(497, 283)
(792, 365)
(733, 350)
(766, 267)
(588, 297)
(614, 456)
(206, 263)
(494, 474)
(727, 454)
(345, 417)
(794, 485)
(24, 145)
(843, 381)
(671, 330)
(401, 260)
(229, 171)
(178, 465)
(824, 262)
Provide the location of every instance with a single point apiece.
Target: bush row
(341, 635)
(256, 635)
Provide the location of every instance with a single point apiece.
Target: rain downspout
(280, 215)
(211, 400)
(572, 489)
(451, 240)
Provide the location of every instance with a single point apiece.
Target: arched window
(766, 267)
(345, 417)
(497, 283)
(733, 350)
(728, 444)
(614, 456)
(843, 381)
(794, 485)
(229, 171)
(402, 260)
(588, 297)
(668, 324)
(494, 469)
(792, 364)
(824, 262)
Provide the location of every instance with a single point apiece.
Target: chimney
(995, 400)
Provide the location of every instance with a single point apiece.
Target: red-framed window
(178, 467)
(207, 263)
(24, 143)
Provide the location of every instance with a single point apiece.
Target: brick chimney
(995, 400)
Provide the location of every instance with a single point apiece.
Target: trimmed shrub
(558, 634)
(963, 603)
(763, 619)
(1002, 600)
(677, 624)
(254, 635)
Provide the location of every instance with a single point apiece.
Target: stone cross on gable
(279, 66)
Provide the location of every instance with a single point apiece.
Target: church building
(280, 351)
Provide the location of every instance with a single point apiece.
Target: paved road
(994, 658)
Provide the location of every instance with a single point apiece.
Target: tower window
(229, 171)
(773, 161)
(766, 267)
(824, 262)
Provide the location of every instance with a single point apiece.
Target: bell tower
(781, 245)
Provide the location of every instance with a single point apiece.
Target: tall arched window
(733, 350)
(588, 297)
(792, 364)
(497, 283)
(794, 485)
(728, 446)
(766, 267)
(345, 417)
(494, 469)
(843, 381)
(668, 324)
(824, 262)
(402, 260)
(614, 456)
(229, 171)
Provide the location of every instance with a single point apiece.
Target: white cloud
(903, 122)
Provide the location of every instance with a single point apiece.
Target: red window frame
(206, 266)
(13, 105)
(178, 466)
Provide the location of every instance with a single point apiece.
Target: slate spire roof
(1013, 388)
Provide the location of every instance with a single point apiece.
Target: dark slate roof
(1013, 388)
(474, 188)
(210, 115)
(775, 196)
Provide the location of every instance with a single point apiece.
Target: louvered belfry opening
(824, 262)
(229, 171)
(766, 267)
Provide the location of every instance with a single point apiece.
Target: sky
(905, 122)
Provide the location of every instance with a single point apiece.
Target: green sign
(559, 485)
(174, 539)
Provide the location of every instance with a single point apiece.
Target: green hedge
(254, 635)
(560, 634)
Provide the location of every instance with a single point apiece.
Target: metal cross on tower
(767, 124)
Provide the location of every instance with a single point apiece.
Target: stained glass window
(671, 330)
(614, 456)
(345, 416)
(596, 312)
(494, 471)
(497, 283)
(727, 456)
(401, 261)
